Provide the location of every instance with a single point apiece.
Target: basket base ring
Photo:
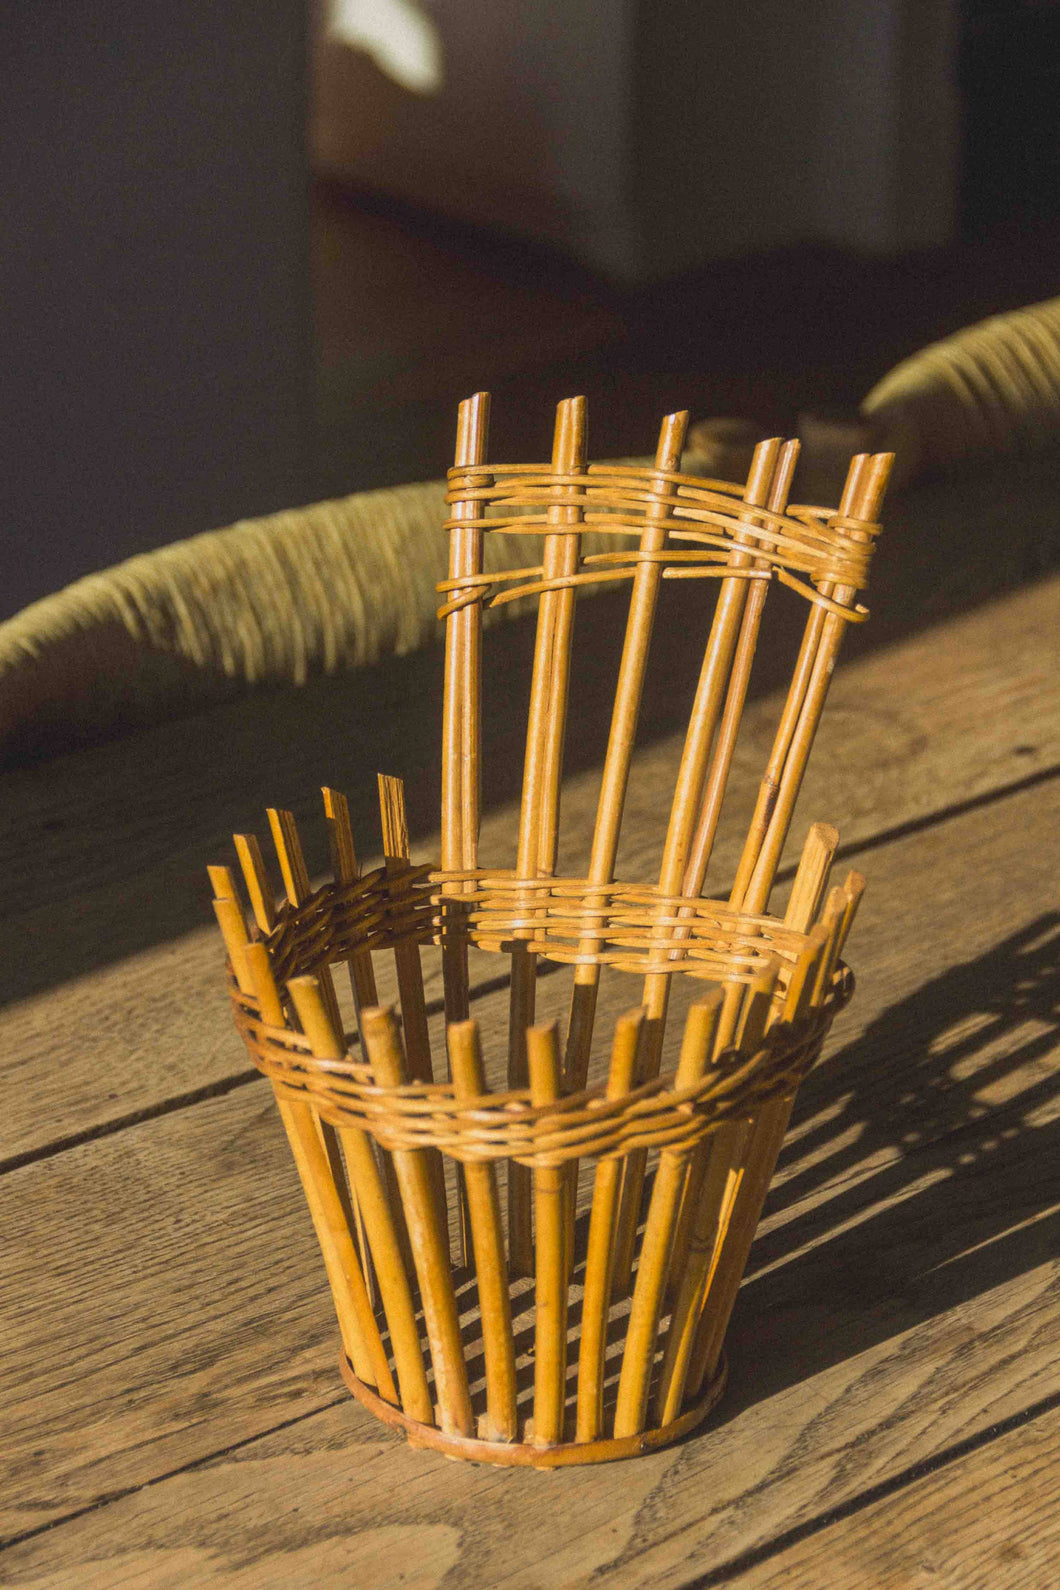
(517, 1454)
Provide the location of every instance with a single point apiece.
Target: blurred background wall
(156, 342)
(246, 264)
(647, 138)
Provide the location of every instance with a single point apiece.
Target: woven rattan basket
(538, 1267)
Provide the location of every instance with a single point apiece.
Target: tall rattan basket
(541, 1271)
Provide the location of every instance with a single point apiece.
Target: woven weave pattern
(623, 1160)
(708, 517)
(503, 1126)
(636, 929)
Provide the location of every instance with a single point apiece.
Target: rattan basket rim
(506, 1125)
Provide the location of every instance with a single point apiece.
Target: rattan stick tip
(259, 969)
(465, 1059)
(289, 853)
(252, 866)
(853, 888)
(222, 883)
(811, 877)
(382, 1040)
(344, 864)
(472, 422)
(318, 1026)
(393, 816)
(379, 1017)
(624, 1051)
(672, 433)
(786, 462)
(569, 441)
(697, 1041)
(543, 1062)
(854, 885)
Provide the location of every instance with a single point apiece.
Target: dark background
(195, 328)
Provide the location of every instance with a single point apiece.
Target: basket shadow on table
(922, 1170)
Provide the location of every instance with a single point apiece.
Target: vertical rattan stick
(761, 1157)
(430, 1245)
(614, 782)
(848, 897)
(706, 709)
(607, 1186)
(722, 1155)
(693, 1189)
(469, 1083)
(345, 868)
(378, 1216)
(831, 918)
(550, 1284)
(329, 1213)
(659, 1230)
(866, 484)
(736, 696)
(805, 897)
(806, 893)
(559, 558)
(295, 873)
(542, 771)
(811, 878)
(409, 969)
(741, 1007)
(633, 1170)
(406, 954)
(712, 1208)
(625, 714)
(233, 924)
(804, 986)
(769, 787)
(520, 1018)
(461, 739)
(739, 1147)
(728, 1145)
(463, 666)
(853, 888)
(252, 865)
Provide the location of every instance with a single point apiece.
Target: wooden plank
(319, 1501)
(162, 1299)
(104, 874)
(136, 1312)
(988, 1519)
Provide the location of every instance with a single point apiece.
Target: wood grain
(170, 1393)
(317, 1499)
(163, 1299)
(988, 1521)
(98, 867)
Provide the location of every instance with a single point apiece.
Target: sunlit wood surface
(172, 1411)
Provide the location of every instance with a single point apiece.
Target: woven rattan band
(634, 928)
(805, 543)
(507, 1126)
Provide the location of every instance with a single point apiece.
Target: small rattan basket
(539, 1267)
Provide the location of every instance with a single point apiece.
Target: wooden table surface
(172, 1414)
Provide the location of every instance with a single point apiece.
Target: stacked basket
(542, 1272)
